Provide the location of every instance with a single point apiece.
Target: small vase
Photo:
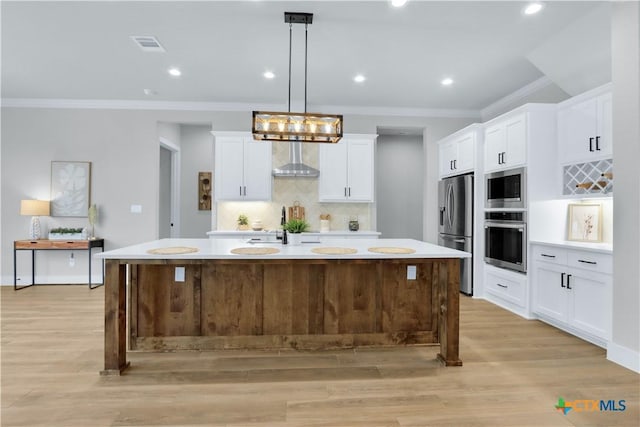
(295, 238)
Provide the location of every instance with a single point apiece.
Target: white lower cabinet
(572, 291)
(506, 288)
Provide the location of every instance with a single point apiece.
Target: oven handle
(519, 225)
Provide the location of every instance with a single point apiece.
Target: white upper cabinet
(456, 154)
(505, 144)
(346, 170)
(242, 169)
(584, 129)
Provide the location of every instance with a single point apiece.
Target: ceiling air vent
(148, 43)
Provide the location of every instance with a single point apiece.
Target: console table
(53, 245)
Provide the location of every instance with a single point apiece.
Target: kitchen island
(207, 294)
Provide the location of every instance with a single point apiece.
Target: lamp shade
(34, 207)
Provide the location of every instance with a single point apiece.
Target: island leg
(449, 312)
(115, 324)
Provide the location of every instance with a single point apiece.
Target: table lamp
(35, 208)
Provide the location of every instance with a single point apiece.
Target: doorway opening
(169, 197)
(400, 182)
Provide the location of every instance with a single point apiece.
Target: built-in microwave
(506, 189)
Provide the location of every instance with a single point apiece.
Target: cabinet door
(446, 155)
(604, 129)
(332, 184)
(494, 146)
(550, 291)
(257, 170)
(516, 142)
(229, 168)
(590, 310)
(577, 130)
(360, 170)
(464, 161)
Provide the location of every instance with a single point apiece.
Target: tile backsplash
(286, 191)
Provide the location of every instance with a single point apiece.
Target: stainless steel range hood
(295, 167)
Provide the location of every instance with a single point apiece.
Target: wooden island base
(271, 304)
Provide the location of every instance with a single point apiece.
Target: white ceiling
(83, 50)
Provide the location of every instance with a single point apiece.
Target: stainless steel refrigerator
(455, 216)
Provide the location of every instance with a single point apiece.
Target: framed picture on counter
(585, 222)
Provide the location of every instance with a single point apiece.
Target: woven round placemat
(391, 250)
(334, 251)
(173, 250)
(255, 251)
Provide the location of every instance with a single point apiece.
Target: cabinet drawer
(506, 288)
(592, 261)
(550, 254)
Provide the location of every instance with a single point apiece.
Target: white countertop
(605, 248)
(312, 233)
(221, 249)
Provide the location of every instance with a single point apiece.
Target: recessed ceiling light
(175, 72)
(359, 78)
(398, 3)
(447, 82)
(150, 92)
(533, 8)
(268, 75)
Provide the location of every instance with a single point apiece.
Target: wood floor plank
(515, 370)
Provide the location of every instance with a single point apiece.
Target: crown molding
(507, 101)
(217, 106)
(123, 104)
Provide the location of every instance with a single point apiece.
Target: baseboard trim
(54, 280)
(623, 356)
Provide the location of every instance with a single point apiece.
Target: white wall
(124, 150)
(625, 346)
(196, 153)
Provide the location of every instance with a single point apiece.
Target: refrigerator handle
(450, 204)
(441, 215)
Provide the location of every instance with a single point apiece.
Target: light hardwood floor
(514, 372)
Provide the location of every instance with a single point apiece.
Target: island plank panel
(407, 304)
(232, 299)
(292, 298)
(166, 307)
(299, 304)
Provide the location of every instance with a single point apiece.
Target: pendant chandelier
(297, 127)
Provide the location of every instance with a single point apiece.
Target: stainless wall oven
(505, 240)
(506, 189)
